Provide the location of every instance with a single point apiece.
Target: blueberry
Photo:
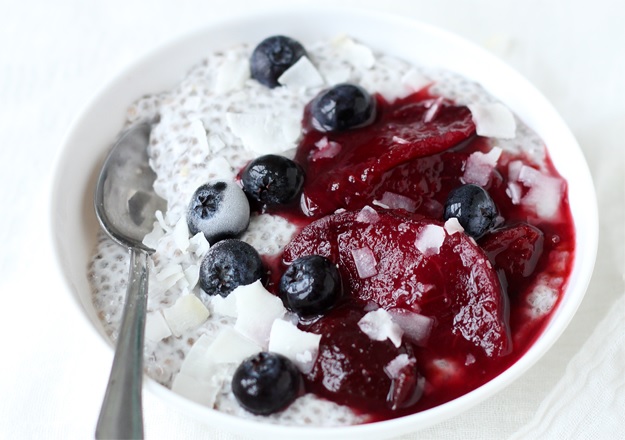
(272, 57)
(219, 210)
(266, 383)
(311, 285)
(229, 264)
(272, 180)
(473, 207)
(342, 107)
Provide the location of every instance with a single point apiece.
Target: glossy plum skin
(472, 317)
(398, 135)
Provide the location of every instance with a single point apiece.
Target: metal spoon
(125, 204)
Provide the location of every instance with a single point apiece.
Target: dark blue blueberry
(229, 264)
(272, 180)
(219, 210)
(266, 383)
(272, 57)
(473, 207)
(311, 285)
(342, 107)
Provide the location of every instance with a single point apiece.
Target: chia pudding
(429, 307)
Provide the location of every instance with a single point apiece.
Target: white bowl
(74, 226)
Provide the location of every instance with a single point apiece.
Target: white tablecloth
(55, 54)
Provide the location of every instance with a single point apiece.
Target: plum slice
(352, 369)
(414, 264)
(407, 129)
(516, 249)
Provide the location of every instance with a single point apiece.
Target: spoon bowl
(125, 201)
(125, 205)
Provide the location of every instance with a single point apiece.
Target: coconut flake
(430, 239)
(448, 368)
(151, 239)
(358, 55)
(365, 262)
(479, 167)
(469, 360)
(231, 347)
(398, 140)
(379, 83)
(414, 80)
(231, 75)
(403, 382)
(161, 221)
(432, 111)
(198, 245)
(187, 312)
(379, 326)
(305, 361)
(197, 131)
(225, 306)
(301, 74)
(171, 270)
(514, 191)
(219, 168)
(394, 367)
(202, 391)
(196, 363)
(338, 74)
(181, 234)
(325, 149)
(367, 215)
(192, 275)
(156, 327)
(514, 168)
(183, 284)
(162, 285)
(256, 311)
(397, 201)
(380, 204)
(493, 120)
(264, 133)
(545, 192)
(452, 226)
(414, 325)
(541, 300)
(200, 379)
(228, 306)
(215, 143)
(299, 346)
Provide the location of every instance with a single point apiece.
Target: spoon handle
(121, 414)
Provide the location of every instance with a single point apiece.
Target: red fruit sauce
(477, 293)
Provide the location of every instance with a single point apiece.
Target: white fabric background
(55, 54)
